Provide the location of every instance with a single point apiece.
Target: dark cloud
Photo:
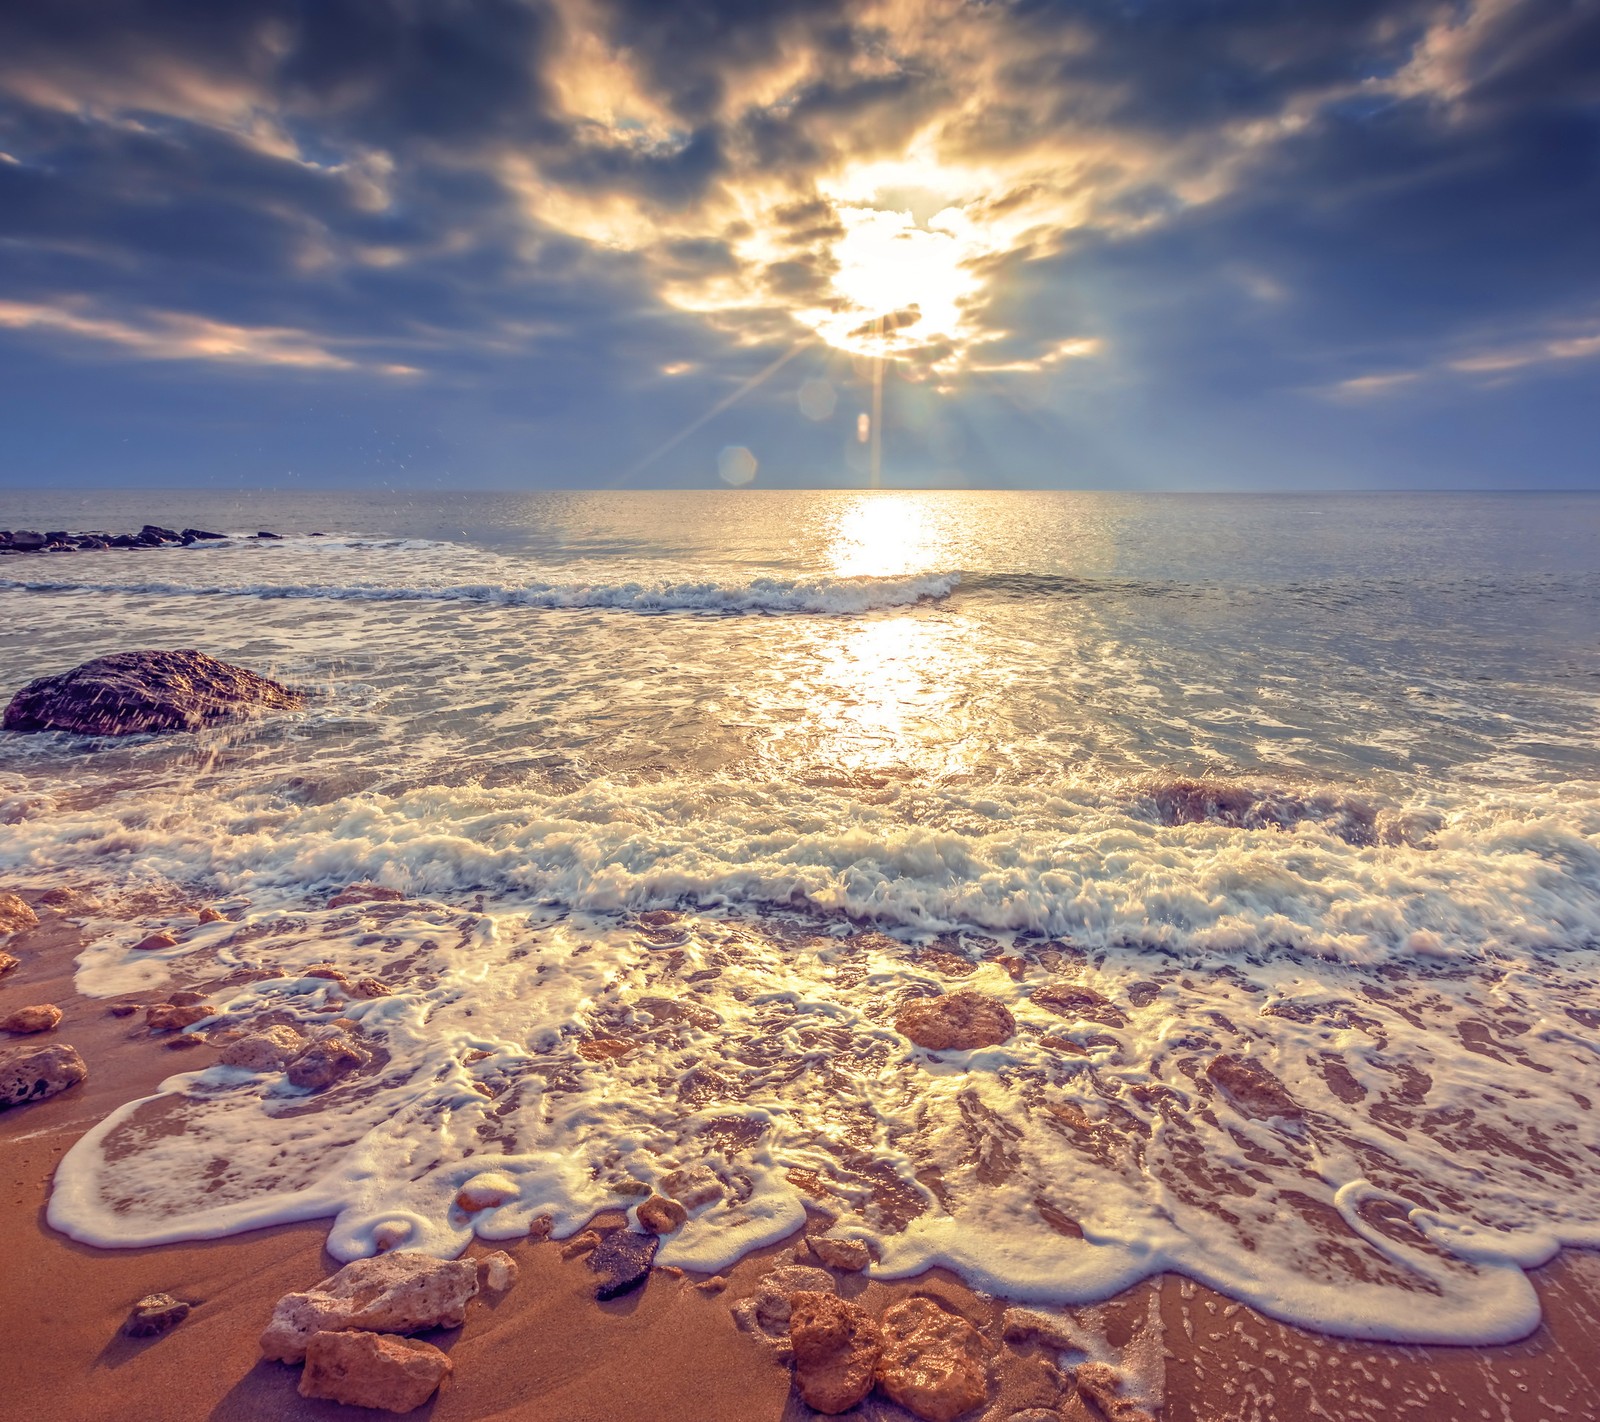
(1258, 200)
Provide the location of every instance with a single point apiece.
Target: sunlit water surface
(1310, 783)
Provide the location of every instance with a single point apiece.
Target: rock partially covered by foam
(836, 1349)
(1076, 1000)
(958, 1021)
(692, 1186)
(660, 1216)
(373, 1370)
(325, 1061)
(174, 1017)
(270, 1049)
(934, 1364)
(33, 1073)
(403, 1292)
(1252, 1088)
(364, 893)
(131, 692)
(16, 916)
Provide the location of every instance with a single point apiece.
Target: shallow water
(1306, 782)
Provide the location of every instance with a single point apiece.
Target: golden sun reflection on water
(886, 536)
(886, 699)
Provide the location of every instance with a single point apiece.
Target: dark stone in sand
(129, 692)
(153, 1314)
(622, 1259)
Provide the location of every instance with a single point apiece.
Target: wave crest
(759, 595)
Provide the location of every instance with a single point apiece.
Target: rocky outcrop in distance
(59, 540)
(131, 692)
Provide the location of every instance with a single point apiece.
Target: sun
(905, 272)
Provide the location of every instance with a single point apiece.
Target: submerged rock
(373, 1370)
(1100, 1384)
(957, 1021)
(16, 915)
(1075, 1000)
(326, 1060)
(693, 1186)
(934, 1364)
(270, 1049)
(130, 692)
(41, 1017)
(1252, 1088)
(364, 893)
(836, 1345)
(622, 1260)
(170, 1017)
(1027, 1325)
(33, 1073)
(155, 1313)
(402, 1292)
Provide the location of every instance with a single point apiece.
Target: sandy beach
(669, 1352)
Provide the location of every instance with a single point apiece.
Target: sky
(1104, 244)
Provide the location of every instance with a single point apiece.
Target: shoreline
(669, 1351)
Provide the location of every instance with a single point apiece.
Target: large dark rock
(622, 1260)
(129, 692)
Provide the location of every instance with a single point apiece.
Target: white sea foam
(1384, 1208)
(757, 595)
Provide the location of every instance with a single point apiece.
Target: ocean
(689, 793)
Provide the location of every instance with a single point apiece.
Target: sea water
(1305, 783)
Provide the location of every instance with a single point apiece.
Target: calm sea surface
(1310, 784)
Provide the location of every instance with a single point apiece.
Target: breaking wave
(758, 595)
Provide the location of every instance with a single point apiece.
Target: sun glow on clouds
(171, 335)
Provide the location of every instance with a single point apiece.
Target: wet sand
(668, 1353)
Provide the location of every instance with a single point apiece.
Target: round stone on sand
(40, 1017)
(958, 1021)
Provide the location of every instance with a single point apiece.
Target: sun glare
(905, 270)
(885, 536)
